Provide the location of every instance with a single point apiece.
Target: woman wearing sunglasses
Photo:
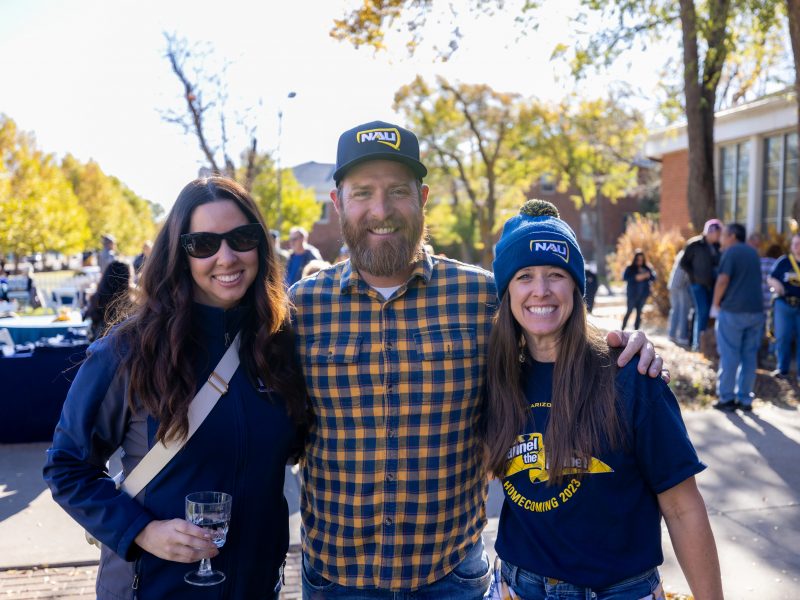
(212, 274)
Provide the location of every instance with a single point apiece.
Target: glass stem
(205, 567)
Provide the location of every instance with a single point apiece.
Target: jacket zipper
(135, 585)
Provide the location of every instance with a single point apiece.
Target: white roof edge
(674, 138)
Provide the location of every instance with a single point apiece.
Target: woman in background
(113, 296)
(638, 276)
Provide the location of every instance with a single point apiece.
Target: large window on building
(734, 168)
(780, 181)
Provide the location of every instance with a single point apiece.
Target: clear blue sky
(88, 76)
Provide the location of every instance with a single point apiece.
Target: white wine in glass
(211, 511)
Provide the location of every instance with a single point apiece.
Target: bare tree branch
(178, 53)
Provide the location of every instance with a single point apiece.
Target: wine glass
(211, 511)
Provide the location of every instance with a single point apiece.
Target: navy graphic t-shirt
(784, 272)
(605, 526)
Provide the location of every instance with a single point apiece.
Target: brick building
(755, 165)
(615, 216)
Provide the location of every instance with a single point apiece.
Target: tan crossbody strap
(159, 455)
(794, 264)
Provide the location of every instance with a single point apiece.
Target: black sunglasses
(204, 244)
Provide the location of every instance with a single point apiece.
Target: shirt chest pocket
(445, 344)
(333, 371)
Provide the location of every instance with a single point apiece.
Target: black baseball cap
(377, 140)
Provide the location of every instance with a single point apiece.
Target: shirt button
(388, 521)
(389, 345)
(390, 477)
(390, 432)
(389, 387)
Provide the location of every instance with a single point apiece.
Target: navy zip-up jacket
(241, 448)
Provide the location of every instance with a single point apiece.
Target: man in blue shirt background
(738, 308)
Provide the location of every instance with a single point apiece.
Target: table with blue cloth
(34, 386)
(31, 329)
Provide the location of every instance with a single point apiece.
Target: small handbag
(200, 407)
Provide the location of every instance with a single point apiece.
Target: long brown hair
(583, 414)
(158, 336)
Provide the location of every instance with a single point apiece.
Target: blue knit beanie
(537, 236)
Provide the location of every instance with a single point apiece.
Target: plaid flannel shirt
(393, 487)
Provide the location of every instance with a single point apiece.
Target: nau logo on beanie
(557, 247)
(390, 137)
(537, 237)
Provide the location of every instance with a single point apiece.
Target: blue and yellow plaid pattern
(394, 491)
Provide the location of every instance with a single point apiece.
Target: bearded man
(393, 346)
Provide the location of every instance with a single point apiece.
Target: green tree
(111, 206)
(299, 205)
(472, 136)
(589, 147)
(38, 209)
(709, 32)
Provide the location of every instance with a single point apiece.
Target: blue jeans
(701, 296)
(530, 586)
(787, 329)
(636, 304)
(468, 581)
(680, 303)
(738, 338)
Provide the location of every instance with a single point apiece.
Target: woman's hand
(649, 362)
(776, 286)
(176, 540)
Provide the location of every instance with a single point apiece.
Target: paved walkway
(751, 488)
(71, 583)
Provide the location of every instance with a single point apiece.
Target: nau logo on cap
(390, 137)
(556, 247)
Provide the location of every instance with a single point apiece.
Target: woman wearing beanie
(591, 456)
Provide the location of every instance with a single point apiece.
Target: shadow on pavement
(20, 476)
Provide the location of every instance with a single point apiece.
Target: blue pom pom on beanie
(537, 237)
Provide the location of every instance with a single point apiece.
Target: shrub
(659, 249)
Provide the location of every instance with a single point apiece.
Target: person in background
(301, 253)
(344, 254)
(767, 349)
(680, 302)
(139, 260)
(280, 253)
(591, 456)
(738, 308)
(592, 285)
(755, 240)
(3, 284)
(700, 261)
(771, 256)
(113, 296)
(108, 253)
(314, 266)
(638, 275)
(785, 280)
(34, 299)
(212, 275)
(393, 342)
